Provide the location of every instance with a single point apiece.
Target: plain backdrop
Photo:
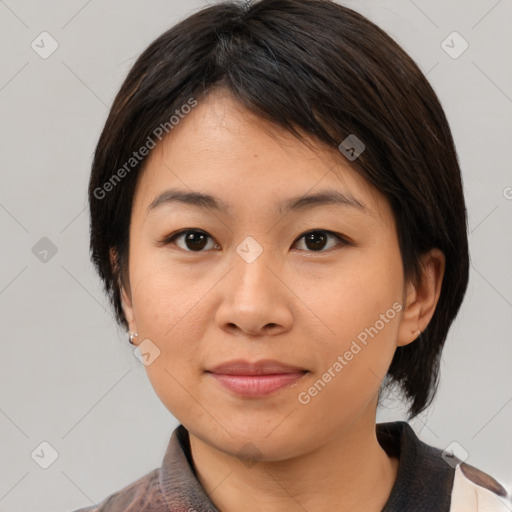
(68, 376)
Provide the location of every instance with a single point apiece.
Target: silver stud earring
(132, 335)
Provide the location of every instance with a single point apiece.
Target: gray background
(68, 375)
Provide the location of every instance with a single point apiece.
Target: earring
(417, 332)
(132, 335)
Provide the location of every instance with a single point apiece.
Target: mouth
(256, 379)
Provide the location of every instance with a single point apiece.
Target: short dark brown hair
(312, 67)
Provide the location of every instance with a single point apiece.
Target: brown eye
(316, 241)
(191, 240)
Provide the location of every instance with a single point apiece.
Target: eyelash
(171, 238)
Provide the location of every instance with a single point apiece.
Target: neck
(349, 471)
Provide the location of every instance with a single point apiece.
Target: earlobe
(422, 297)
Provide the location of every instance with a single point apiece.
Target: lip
(261, 367)
(256, 379)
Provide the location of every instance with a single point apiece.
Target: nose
(255, 300)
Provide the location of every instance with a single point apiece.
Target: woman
(278, 218)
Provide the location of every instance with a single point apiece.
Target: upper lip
(261, 367)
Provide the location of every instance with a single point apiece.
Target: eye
(195, 240)
(192, 240)
(316, 240)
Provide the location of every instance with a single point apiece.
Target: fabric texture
(426, 482)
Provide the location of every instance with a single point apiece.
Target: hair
(310, 67)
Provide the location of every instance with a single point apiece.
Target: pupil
(315, 240)
(195, 240)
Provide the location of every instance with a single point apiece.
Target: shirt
(428, 480)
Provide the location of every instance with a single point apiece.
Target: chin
(257, 442)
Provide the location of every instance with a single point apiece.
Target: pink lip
(255, 379)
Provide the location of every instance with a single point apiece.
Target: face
(242, 276)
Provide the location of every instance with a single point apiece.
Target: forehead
(222, 150)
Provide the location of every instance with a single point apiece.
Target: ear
(126, 300)
(422, 298)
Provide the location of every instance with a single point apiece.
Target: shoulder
(433, 479)
(475, 490)
(143, 495)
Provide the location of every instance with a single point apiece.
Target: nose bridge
(253, 296)
(251, 273)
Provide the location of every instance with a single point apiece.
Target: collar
(424, 480)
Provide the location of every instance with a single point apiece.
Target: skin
(298, 305)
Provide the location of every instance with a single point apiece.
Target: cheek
(164, 297)
(168, 311)
(170, 315)
(361, 307)
(355, 296)
(352, 367)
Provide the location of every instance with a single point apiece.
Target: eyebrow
(207, 201)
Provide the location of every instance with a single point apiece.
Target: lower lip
(256, 385)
